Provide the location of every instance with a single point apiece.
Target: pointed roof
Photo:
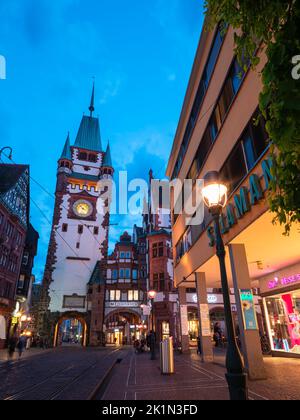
(88, 136)
(107, 162)
(92, 105)
(66, 154)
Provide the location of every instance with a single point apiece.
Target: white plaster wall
(71, 277)
(164, 218)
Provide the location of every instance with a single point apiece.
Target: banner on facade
(248, 310)
(184, 320)
(205, 321)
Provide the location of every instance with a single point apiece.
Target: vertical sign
(205, 321)
(248, 310)
(184, 320)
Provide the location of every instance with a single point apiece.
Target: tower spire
(92, 106)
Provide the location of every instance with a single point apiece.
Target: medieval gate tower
(75, 274)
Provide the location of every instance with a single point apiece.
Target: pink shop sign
(285, 281)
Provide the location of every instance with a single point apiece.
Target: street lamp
(215, 198)
(6, 148)
(152, 295)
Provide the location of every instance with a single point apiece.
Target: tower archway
(71, 329)
(123, 326)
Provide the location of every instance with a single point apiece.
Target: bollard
(167, 357)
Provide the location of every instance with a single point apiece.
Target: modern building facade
(14, 224)
(78, 245)
(219, 130)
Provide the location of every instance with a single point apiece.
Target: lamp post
(152, 295)
(6, 148)
(215, 198)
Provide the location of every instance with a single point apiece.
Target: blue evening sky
(140, 52)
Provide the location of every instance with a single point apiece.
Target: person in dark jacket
(12, 344)
(21, 346)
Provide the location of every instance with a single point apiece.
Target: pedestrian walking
(12, 344)
(21, 346)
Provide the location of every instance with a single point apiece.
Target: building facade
(126, 291)
(220, 129)
(14, 223)
(79, 239)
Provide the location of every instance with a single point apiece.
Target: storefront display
(283, 318)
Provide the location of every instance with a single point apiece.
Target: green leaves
(274, 24)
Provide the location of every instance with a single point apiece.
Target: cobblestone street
(87, 374)
(140, 379)
(62, 374)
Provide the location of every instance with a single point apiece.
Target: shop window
(284, 318)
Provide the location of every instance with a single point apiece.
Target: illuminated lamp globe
(214, 192)
(152, 294)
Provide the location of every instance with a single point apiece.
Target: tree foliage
(273, 25)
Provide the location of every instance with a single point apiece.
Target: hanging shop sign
(244, 201)
(248, 310)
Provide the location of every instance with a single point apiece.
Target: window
(93, 158)
(127, 273)
(25, 259)
(255, 142)
(134, 274)
(83, 156)
(156, 282)
(133, 295)
(154, 251)
(80, 229)
(122, 255)
(21, 282)
(115, 274)
(115, 295)
(161, 249)
(235, 168)
(96, 231)
(7, 290)
(211, 62)
(162, 282)
(65, 227)
(77, 245)
(128, 255)
(122, 273)
(236, 76)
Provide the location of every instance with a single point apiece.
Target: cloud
(111, 90)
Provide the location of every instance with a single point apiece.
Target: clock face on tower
(83, 208)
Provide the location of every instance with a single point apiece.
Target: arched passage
(71, 329)
(123, 326)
